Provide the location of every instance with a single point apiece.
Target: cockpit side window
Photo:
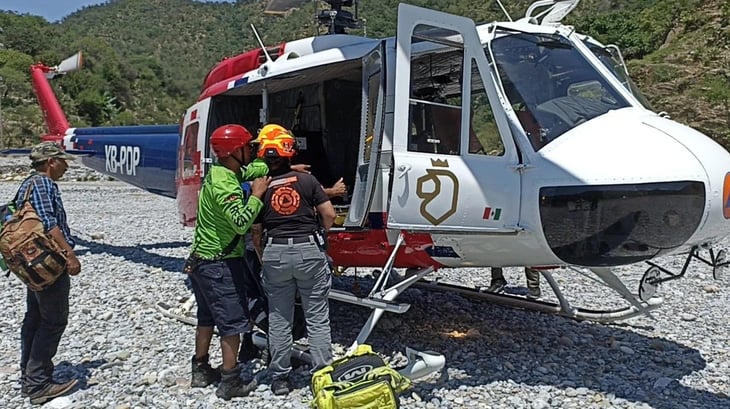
(550, 85)
(435, 103)
(484, 137)
(436, 108)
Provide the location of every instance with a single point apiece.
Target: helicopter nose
(636, 191)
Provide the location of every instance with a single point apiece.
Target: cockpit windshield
(550, 84)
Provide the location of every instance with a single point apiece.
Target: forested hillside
(145, 60)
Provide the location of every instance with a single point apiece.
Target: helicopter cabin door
(370, 137)
(455, 163)
(192, 160)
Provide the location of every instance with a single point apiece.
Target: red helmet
(229, 138)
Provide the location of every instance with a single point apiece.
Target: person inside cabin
(527, 85)
(446, 125)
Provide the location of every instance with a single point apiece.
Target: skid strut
(381, 299)
(382, 294)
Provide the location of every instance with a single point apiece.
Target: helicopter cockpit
(550, 84)
(611, 57)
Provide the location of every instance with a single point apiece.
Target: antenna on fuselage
(261, 43)
(504, 10)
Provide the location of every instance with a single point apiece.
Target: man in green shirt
(223, 218)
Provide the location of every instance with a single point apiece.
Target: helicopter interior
(321, 107)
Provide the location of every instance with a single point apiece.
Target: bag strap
(230, 247)
(397, 381)
(27, 191)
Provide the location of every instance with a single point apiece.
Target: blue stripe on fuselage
(144, 156)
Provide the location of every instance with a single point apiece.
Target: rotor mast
(338, 20)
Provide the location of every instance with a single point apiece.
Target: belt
(291, 240)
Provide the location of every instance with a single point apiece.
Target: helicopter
(510, 143)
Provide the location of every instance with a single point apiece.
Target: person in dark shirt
(296, 216)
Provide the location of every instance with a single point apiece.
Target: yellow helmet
(275, 141)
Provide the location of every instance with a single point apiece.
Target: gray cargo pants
(287, 268)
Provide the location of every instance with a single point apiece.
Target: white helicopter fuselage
(506, 144)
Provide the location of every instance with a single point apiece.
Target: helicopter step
(389, 306)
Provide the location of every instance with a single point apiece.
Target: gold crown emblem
(438, 163)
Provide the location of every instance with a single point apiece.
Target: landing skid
(562, 308)
(652, 277)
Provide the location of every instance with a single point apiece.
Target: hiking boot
(50, 391)
(497, 285)
(534, 293)
(281, 386)
(248, 350)
(232, 386)
(202, 374)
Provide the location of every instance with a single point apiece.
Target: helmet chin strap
(240, 161)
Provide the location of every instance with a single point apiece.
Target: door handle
(403, 169)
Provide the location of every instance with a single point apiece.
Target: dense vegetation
(145, 60)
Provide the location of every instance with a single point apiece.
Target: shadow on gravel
(489, 343)
(140, 253)
(81, 372)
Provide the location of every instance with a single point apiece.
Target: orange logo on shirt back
(285, 200)
(726, 196)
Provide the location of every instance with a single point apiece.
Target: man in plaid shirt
(47, 311)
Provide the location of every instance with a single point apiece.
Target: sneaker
(534, 293)
(281, 386)
(51, 391)
(497, 285)
(202, 374)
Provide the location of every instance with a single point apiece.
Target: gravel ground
(128, 355)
